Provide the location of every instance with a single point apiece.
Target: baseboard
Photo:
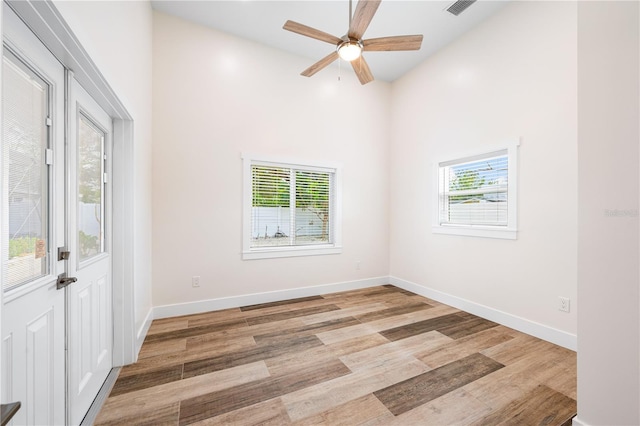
(142, 332)
(200, 306)
(541, 331)
(558, 337)
(577, 422)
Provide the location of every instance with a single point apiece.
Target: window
(290, 209)
(477, 195)
(25, 103)
(91, 158)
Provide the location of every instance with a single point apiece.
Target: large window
(477, 195)
(290, 209)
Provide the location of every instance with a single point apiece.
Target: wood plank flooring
(376, 356)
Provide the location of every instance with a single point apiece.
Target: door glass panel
(90, 189)
(25, 100)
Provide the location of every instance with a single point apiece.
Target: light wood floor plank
(156, 416)
(268, 413)
(379, 355)
(162, 348)
(540, 406)
(457, 349)
(328, 395)
(156, 397)
(445, 410)
(360, 411)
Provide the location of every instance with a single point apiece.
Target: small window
(477, 195)
(290, 209)
(91, 185)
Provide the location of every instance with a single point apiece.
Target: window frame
(335, 247)
(510, 231)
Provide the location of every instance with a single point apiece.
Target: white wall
(608, 243)
(118, 37)
(513, 76)
(217, 96)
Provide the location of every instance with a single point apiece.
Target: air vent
(460, 6)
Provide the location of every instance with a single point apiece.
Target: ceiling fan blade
(408, 42)
(322, 63)
(310, 32)
(362, 17)
(362, 70)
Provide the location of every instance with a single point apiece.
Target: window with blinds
(25, 100)
(291, 207)
(478, 193)
(475, 192)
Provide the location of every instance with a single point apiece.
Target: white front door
(89, 312)
(33, 331)
(56, 340)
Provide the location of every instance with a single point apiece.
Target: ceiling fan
(350, 46)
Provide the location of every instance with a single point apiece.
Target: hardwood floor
(377, 356)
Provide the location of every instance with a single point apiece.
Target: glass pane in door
(90, 189)
(25, 100)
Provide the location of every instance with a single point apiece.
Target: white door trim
(47, 23)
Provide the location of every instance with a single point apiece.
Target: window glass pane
(90, 189)
(270, 212)
(475, 193)
(24, 140)
(312, 207)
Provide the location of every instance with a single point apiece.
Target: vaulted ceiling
(262, 20)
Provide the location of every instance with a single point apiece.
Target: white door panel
(32, 351)
(89, 309)
(33, 326)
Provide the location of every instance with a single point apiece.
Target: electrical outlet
(564, 304)
(358, 265)
(195, 281)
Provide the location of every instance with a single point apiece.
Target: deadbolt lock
(63, 253)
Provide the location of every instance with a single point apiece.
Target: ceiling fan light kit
(351, 46)
(349, 50)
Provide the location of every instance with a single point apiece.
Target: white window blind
(25, 100)
(290, 206)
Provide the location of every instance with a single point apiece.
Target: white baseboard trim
(577, 422)
(200, 306)
(558, 337)
(541, 331)
(142, 332)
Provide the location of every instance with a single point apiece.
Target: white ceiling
(262, 21)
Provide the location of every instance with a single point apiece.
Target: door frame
(48, 24)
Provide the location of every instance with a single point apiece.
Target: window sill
(477, 231)
(274, 252)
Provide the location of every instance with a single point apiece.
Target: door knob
(64, 280)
